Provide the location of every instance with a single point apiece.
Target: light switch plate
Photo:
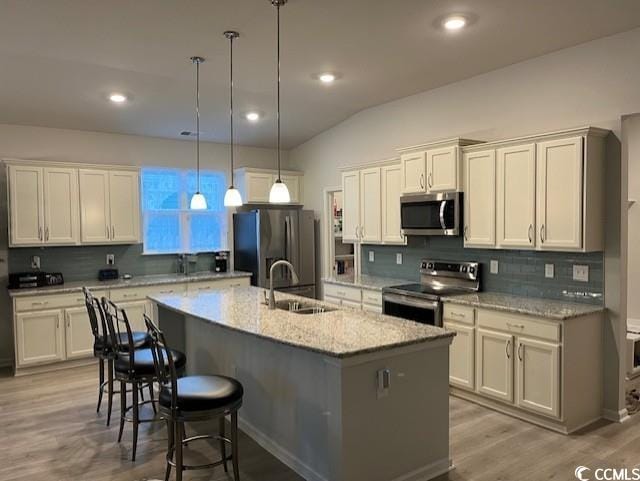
(581, 273)
(111, 259)
(399, 258)
(371, 256)
(494, 266)
(35, 262)
(549, 271)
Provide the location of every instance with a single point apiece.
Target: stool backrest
(163, 360)
(96, 316)
(119, 328)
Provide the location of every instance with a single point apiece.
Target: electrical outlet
(372, 256)
(494, 266)
(549, 271)
(399, 258)
(35, 262)
(581, 273)
(111, 259)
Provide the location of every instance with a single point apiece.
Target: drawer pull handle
(167, 292)
(508, 349)
(520, 346)
(40, 303)
(457, 314)
(517, 326)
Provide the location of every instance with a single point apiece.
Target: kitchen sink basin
(298, 307)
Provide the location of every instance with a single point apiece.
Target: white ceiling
(60, 58)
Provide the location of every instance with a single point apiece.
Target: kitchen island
(343, 395)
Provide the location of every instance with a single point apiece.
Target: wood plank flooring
(49, 431)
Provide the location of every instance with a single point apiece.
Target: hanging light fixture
(279, 193)
(198, 201)
(232, 197)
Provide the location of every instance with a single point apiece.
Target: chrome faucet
(295, 280)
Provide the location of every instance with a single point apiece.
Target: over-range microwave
(431, 214)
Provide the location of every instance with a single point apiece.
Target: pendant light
(198, 201)
(279, 193)
(232, 197)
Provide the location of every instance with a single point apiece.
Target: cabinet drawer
(372, 308)
(216, 284)
(371, 297)
(343, 292)
(351, 304)
(519, 325)
(129, 294)
(51, 301)
(333, 300)
(462, 314)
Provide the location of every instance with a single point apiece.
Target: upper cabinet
(54, 203)
(549, 192)
(255, 184)
(413, 172)
(390, 178)
(370, 205)
(351, 206)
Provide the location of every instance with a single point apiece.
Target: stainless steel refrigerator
(263, 236)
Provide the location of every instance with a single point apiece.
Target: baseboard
(58, 366)
(615, 416)
(427, 472)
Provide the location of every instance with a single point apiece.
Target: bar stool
(103, 350)
(133, 366)
(194, 398)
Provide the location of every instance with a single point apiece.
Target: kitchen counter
(339, 333)
(546, 308)
(367, 282)
(136, 281)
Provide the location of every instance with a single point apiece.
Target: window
(169, 226)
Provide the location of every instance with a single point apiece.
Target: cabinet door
(135, 311)
(61, 206)
(294, 185)
(258, 185)
(79, 338)
(480, 199)
(39, 337)
(124, 206)
(462, 358)
(494, 364)
(95, 224)
(538, 376)
(413, 172)
(26, 199)
(442, 170)
(516, 186)
(559, 194)
(351, 206)
(370, 205)
(391, 188)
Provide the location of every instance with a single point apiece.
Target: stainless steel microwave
(431, 214)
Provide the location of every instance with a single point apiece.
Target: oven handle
(410, 301)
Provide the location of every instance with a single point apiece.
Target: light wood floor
(49, 431)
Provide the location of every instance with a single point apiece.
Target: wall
(632, 143)
(591, 84)
(40, 143)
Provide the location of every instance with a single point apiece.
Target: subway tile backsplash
(519, 272)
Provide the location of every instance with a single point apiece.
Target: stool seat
(143, 362)
(140, 339)
(202, 393)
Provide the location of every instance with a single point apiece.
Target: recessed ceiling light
(327, 78)
(455, 22)
(117, 98)
(252, 116)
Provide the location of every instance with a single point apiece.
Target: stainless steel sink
(301, 307)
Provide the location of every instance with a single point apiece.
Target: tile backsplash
(79, 263)
(519, 272)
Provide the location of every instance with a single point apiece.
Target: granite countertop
(340, 333)
(136, 281)
(547, 308)
(368, 282)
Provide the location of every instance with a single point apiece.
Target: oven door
(433, 214)
(412, 308)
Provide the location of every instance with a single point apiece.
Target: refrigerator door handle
(287, 243)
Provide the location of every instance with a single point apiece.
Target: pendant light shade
(279, 193)
(198, 201)
(232, 197)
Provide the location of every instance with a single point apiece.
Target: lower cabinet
(79, 338)
(462, 356)
(39, 337)
(538, 375)
(495, 364)
(135, 313)
(369, 300)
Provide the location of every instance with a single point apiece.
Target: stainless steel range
(422, 302)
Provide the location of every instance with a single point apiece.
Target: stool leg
(123, 407)
(101, 381)
(178, 436)
(234, 445)
(153, 404)
(170, 447)
(135, 391)
(223, 444)
(109, 389)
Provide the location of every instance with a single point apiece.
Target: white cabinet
(351, 206)
(413, 172)
(442, 169)
(255, 184)
(39, 337)
(462, 356)
(390, 177)
(135, 313)
(538, 375)
(516, 189)
(78, 336)
(480, 199)
(257, 187)
(294, 184)
(370, 205)
(43, 205)
(494, 364)
(559, 194)
(109, 206)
